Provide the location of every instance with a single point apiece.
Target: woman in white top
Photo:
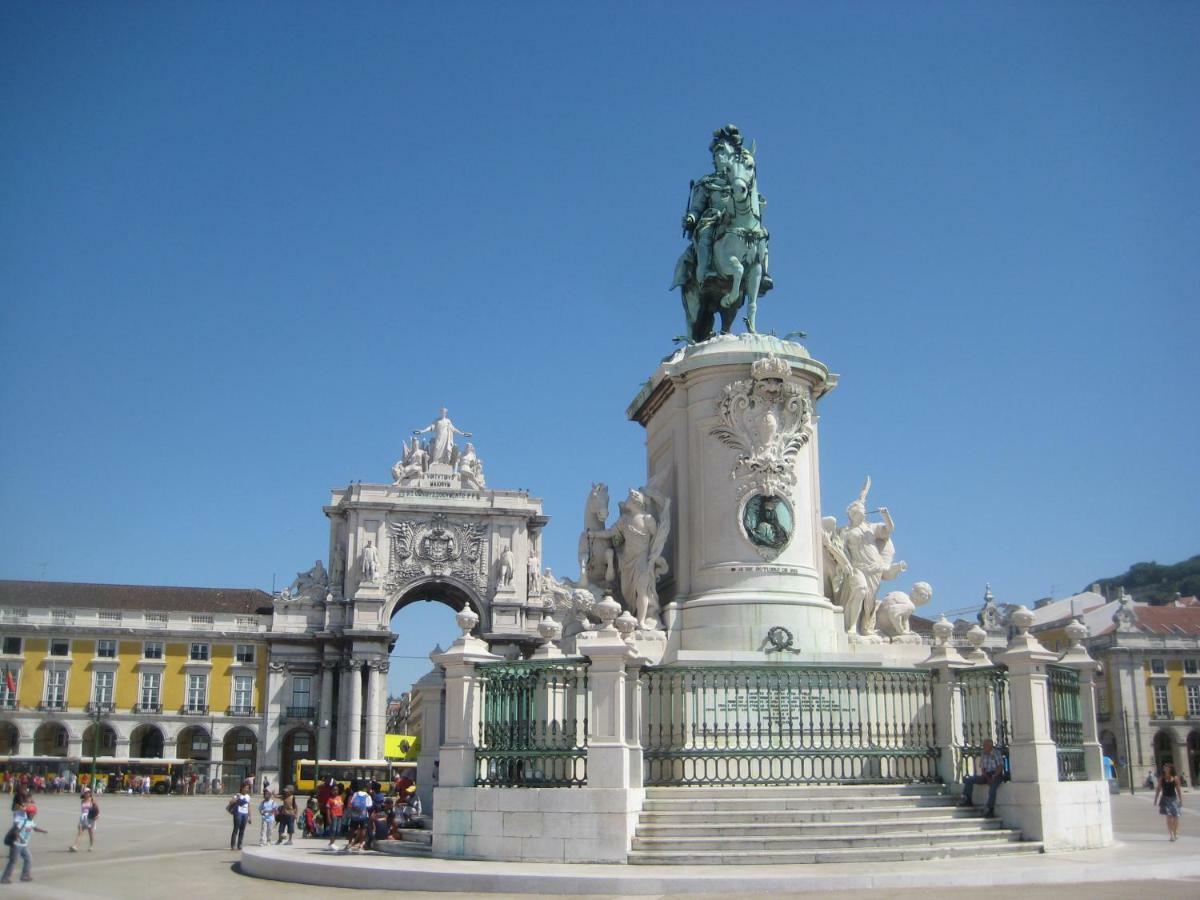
(89, 811)
(239, 808)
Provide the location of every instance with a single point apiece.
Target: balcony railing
(193, 709)
(147, 708)
(300, 712)
(240, 711)
(8, 702)
(53, 705)
(97, 706)
(1162, 714)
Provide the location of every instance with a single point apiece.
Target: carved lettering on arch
(436, 546)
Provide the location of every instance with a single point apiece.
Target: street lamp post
(95, 739)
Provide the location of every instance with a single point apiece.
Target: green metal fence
(787, 725)
(985, 709)
(1066, 722)
(532, 724)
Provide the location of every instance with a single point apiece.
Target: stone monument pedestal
(731, 440)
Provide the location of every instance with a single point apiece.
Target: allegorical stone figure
(639, 539)
(370, 562)
(868, 552)
(897, 607)
(505, 575)
(441, 447)
(533, 572)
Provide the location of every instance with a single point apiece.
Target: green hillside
(1157, 584)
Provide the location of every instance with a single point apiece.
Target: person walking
(266, 818)
(239, 808)
(1169, 797)
(285, 814)
(23, 827)
(89, 811)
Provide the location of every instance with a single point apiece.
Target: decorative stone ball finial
(626, 624)
(1021, 619)
(467, 620)
(607, 611)
(549, 629)
(1076, 632)
(975, 637)
(942, 631)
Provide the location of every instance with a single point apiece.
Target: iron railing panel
(1066, 722)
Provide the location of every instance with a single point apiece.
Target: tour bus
(345, 771)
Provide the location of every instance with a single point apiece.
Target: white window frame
(20, 645)
(238, 696)
(207, 657)
(146, 650)
(157, 689)
(50, 692)
(1158, 667)
(98, 676)
(8, 699)
(1191, 666)
(1162, 701)
(190, 703)
(50, 648)
(110, 642)
(237, 654)
(1193, 701)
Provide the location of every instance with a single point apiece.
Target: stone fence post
(608, 756)
(944, 662)
(1033, 757)
(1077, 658)
(459, 739)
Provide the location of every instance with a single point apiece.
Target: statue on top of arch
(437, 461)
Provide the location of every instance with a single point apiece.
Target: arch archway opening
(146, 742)
(50, 740)
(194, 743)
(1163, 751)
(103, 741)
(10, 739)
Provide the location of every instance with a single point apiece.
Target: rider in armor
(710, 196)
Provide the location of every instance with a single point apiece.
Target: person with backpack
(17, 840)
(360, 815)
(239, 808)
(89, 812)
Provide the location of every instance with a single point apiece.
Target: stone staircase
(814, 824)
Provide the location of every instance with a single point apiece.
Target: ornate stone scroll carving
(436, 547)
(765, 419)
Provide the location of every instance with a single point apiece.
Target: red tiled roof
(1169, 619)
(71, 595)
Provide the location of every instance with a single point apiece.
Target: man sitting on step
(990, 772)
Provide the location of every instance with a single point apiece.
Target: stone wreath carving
(437, 547)
(765, 419)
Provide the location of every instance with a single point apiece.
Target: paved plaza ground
(163, 846)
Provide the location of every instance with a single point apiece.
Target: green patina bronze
(724, 267)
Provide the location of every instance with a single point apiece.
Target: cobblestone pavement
(155, 847)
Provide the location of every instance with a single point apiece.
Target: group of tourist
(362, 814)
(37, 784)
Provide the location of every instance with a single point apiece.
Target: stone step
(803, 829)
(788, 843)
(405, 848)
(854, 855)
(416, 836)
(793, 803)
(884, 813)
(797, 790)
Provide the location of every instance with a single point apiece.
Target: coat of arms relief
(436, 547)
(765, 419)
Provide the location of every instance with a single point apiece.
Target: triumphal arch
(433, 532)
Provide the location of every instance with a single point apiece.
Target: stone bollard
(1077, 658)
(944, 662)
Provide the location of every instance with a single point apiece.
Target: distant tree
(1157, 584)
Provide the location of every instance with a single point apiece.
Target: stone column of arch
(354, 698)
(376, 708)
(325, 713)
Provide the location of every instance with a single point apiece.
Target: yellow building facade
(133, 673)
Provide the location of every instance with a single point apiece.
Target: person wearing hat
(412, 807)
(89, 811)
(23, 827)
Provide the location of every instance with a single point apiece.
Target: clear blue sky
(245, 248)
